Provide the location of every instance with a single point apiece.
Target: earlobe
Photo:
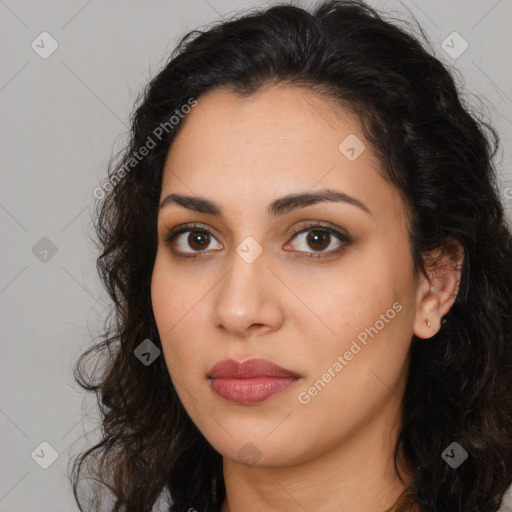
(426, 322)
(437, 294)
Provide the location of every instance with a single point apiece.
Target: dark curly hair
(436, 151)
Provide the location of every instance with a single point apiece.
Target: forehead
(276, 142)
(280, 120)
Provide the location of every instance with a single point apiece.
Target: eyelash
(322, 228)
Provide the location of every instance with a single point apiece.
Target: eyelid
(331, 228)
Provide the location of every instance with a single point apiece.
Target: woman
(344, 342)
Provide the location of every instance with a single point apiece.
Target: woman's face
(337, 310)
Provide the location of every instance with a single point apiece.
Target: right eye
(198, 239)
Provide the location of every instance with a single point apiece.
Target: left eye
(320, 238)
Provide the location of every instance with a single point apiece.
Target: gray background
(61, 118)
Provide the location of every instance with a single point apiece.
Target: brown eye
(197, 241)
(317, 240)
(319, 237)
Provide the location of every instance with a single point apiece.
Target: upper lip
(229, 368)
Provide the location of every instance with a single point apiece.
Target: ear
(443, 266)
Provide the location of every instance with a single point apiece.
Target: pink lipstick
(250, 382)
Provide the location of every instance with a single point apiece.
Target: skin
(336, 451)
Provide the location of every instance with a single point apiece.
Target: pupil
(198, 235)
(318, 237)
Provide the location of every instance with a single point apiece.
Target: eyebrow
(277, 208)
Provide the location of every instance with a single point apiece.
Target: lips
(229, 368)
(250, 382)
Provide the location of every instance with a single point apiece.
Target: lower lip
(250, 391)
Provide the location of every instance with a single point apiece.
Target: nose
(249, 298)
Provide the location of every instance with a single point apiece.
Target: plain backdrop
(62, 115)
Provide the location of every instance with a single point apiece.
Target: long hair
(438, 152)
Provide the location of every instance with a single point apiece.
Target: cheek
(352, 296)
(174, 311)
(173, 295)
(367, 317)
(353, 374)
